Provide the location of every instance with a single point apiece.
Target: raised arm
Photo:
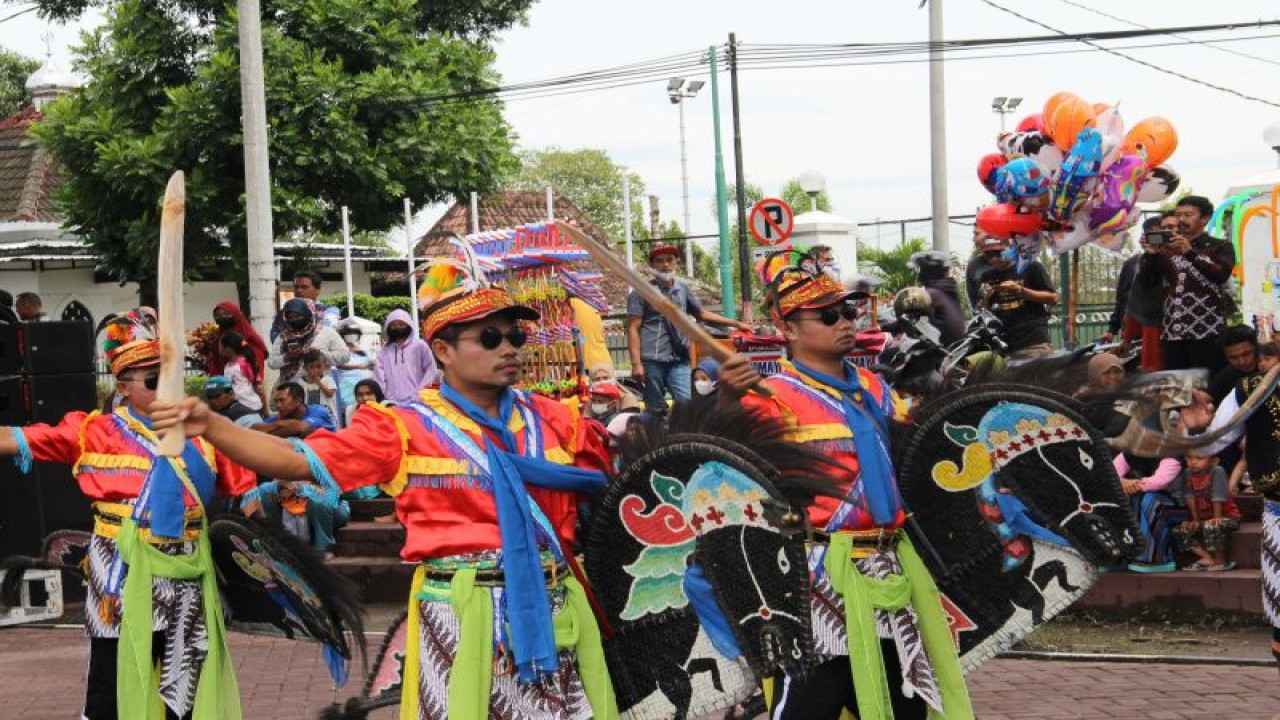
(259, 452)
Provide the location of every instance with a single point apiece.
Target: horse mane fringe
(802, 472)
(354, 709)
(340, 595)
(15, 569)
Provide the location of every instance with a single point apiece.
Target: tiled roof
(28, 176)
(519, 207)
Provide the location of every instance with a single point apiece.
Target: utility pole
(722, 198)
(655, 219)
(257, 173)
(626, 216)
(937, 129)
(744, 251)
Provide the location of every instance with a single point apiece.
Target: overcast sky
(866, 128)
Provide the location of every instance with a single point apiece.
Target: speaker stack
(46, 371)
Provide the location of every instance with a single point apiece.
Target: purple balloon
(1117, 194)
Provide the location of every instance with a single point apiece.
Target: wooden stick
(173, 341)
(686, 325)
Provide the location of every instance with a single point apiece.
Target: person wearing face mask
(706, 377)
(606, 398)
(1020, 299)
(659, 353)
(229, 319)
(301, 334)
(405, 363)
(825, 257)
(357, 368)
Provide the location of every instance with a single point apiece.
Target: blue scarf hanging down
(870, 438)
(163, 494)
(528, 605)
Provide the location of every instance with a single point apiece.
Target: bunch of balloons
(1071, 174)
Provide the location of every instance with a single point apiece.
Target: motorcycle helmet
(931, 264)
(912, 301)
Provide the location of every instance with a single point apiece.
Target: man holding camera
(1193, 266)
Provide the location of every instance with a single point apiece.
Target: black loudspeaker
(26, 399)
(37, 503)
(46, 348)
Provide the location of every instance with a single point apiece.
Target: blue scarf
(165, 498)
(870, 438)
(528, 605)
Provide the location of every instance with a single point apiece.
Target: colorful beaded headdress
(793, 281)
(454, 290)
(129, 340)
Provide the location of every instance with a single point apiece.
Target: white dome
(51, 77)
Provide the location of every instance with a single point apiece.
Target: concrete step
(380, 579)
(369, 509)
(1250, 507)
(1244, 546)
(367, 538)
(1239, 590)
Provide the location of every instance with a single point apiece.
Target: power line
(7, 18)
(773, 57)
(1207, 43)
(1130, 58)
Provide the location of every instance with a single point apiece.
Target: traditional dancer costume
(871, 592)
(498, 626)
(152, 592)
(1262, 455)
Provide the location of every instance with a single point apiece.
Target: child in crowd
(239, 365)
(319, 387)
(1202, 487)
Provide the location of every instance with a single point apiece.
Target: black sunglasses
(150, 382)
(491, 337)
(831, 315)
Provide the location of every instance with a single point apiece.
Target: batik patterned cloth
(831, 639)
(562, 697)
(1271, 562)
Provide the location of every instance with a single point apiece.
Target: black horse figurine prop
(696, 554)
(1015, 499)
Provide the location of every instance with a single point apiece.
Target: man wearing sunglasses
(113, 456)
(487, 481)
(844, 412)
(659, 353)
(1019, 298)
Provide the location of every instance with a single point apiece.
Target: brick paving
(42, 671)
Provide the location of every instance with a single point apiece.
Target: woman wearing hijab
(300, 335)
(229, 319)
(706, 377)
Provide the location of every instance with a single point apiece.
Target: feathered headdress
(793, 280)
(129, 340)
(455, 289)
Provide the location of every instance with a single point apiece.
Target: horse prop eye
(784, 562)
(1086, 460)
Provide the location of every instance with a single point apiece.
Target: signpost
(771, 221)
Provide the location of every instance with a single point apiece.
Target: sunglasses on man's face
(491, 337)
(150, 382)
(829, 316)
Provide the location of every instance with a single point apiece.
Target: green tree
(347, 83)
(590, 179)
(14, 71)
(893, 265)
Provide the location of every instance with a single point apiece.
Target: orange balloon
(1099, 108)
(1153, 137)
(1054, 101)
(1072, 116)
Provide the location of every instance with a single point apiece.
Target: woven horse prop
(696, 553)
(1015, 494)
(691, 494)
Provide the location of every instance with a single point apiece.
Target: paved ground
(41, 673)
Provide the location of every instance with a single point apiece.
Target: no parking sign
(771, 221)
